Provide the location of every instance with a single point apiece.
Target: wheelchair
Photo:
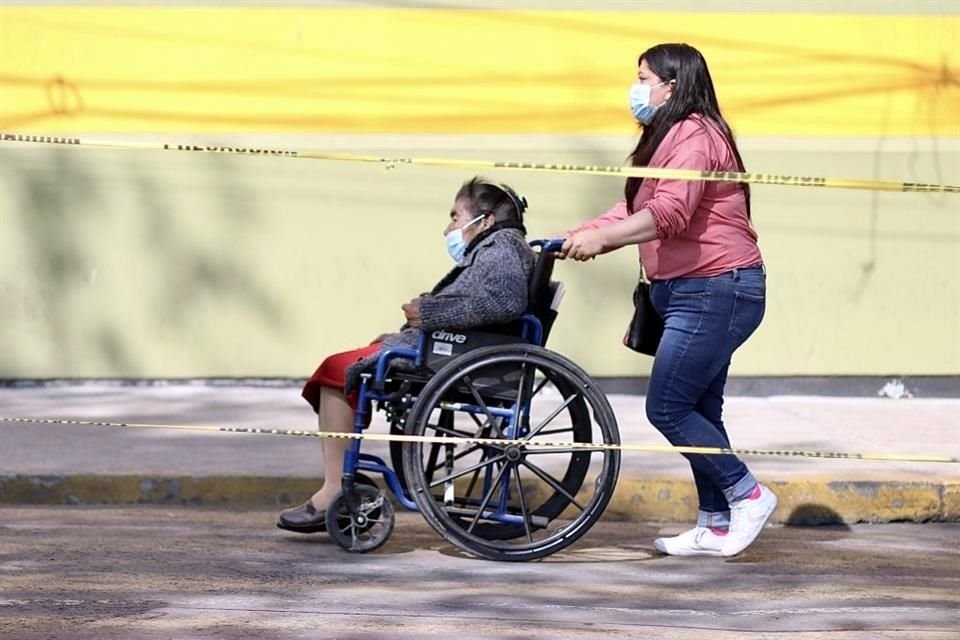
(512, 502)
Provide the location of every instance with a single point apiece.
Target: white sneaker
(747, 518)
(699, 541)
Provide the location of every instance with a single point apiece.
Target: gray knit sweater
(490, 288)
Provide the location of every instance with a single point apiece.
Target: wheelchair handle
(548, 244)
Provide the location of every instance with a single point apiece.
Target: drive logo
(446, 336)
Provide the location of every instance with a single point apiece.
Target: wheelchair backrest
(543, 296)
(539, 295)
(542, 299)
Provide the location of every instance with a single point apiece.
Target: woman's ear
(488, 221)
(670, 88)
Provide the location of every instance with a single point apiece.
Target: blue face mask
(640, 102)
(456, 245)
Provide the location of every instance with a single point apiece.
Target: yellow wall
(135, 263)
(455, 71)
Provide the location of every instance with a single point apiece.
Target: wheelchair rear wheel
(519, 501)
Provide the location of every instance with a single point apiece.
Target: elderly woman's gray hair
(486, 198)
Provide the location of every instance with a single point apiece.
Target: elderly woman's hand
(584, 245)
(412, 312)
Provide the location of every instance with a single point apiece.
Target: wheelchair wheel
(520, 501)
(369, 528)
(573, 478)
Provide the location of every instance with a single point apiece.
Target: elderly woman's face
(461, 216)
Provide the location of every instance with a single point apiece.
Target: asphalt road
(158, 572)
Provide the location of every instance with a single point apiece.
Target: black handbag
(646, 327)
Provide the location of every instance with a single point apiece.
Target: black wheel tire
(494, 545)
(362, 537)
(573, 477)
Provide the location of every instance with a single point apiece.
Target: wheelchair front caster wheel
(366, 530)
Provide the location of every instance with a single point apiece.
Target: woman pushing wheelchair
(699, 249)
(486, 239)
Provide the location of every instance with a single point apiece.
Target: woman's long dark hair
(692, 94)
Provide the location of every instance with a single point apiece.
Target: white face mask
(456, 245)
(640, 102)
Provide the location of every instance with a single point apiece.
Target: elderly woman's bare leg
(335, 414)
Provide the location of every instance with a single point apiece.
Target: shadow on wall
(63, 209)
(200, 272)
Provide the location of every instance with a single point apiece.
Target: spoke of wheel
(463, 472)
(551, 432)
(483, 405)
(523, 505)
(546, 477)
(553, 415)
(524, 369)
(450, 432)
(473, 483)
(432, 462)
(466, 451)
(483, 433)
(540, 386)
(486, 498)
(476, 420)
(539, 450)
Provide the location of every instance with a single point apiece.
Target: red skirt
(332, 373)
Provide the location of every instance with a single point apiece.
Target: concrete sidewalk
(56, 464)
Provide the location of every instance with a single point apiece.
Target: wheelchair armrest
(384, 361)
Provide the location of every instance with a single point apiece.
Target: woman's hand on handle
(585, 245)
(559, 237)
(589, 243)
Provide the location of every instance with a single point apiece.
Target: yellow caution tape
(497, 442)
(622, 172)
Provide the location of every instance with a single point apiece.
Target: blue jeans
(706, 320)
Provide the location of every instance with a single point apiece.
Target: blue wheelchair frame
(531, 331)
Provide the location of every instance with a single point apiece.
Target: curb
(802, 502)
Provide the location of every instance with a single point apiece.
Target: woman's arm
(666, 214)
(616, 213)
(640, 227)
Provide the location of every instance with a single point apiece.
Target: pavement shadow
(813, 514)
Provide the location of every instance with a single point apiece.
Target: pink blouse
(702, 227)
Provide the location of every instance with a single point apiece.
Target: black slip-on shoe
(303, 519)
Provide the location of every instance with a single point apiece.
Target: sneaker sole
(704, 552)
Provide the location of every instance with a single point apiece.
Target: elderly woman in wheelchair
(468, 364)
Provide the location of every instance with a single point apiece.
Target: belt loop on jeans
(735, 272)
